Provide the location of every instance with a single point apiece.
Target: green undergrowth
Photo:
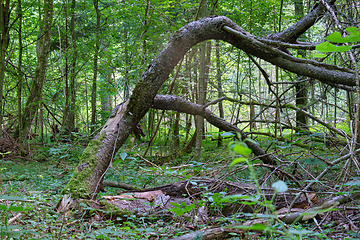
(33, 188)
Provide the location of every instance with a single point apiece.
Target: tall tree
(96, 56)
(219, 87)
(70, 124)
(4, 44)
(70, 73)
(201, 91)
(20, 77)
(301, 86)
(34, 98)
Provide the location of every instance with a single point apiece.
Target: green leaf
(256, 226)
(250, 140)
(354, 34)
(353, 183)
(17, 208)
(238, 160)
(12, 198)
(280, 186)
(14, 208)
(336, 38)
(3, 207)
(329, 47)
(175, 204)
(352, 38)
(227, 134)
(320, 55)
(123, 155)
(237, 197)
(353, 30)
(242, 150)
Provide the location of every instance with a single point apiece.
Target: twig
(148, 161)
(213, 102)
(14, 218)
(322, 159)
(182, 166)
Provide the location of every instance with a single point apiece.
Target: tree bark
(35, 96)
(301, 87)
(219, 86)
(20, 78)
(96, 56)
(201, 91)
(4, 43)
(70, 106)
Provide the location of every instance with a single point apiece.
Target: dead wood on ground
(155, 200)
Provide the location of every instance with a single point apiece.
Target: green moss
(79, 185)
(115, 210)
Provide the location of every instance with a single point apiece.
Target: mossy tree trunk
(35, 96)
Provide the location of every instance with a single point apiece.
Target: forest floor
(31, 189)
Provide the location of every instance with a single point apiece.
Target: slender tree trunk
(22, 141)
(251, 98)
(277, 113)
(70, 125)
(67, 96)
(145, 27)
(126, 64)
(35, 96)
(70, 74)
(219, 85)
(199, 120)
(4, 43)
(176, 132)
(301, 87)
(96, 56)
(252, 112)
(104, 93)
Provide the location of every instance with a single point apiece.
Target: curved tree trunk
(97, 157)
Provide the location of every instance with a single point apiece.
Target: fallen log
(203, 189)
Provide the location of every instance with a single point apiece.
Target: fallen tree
(96, 159)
